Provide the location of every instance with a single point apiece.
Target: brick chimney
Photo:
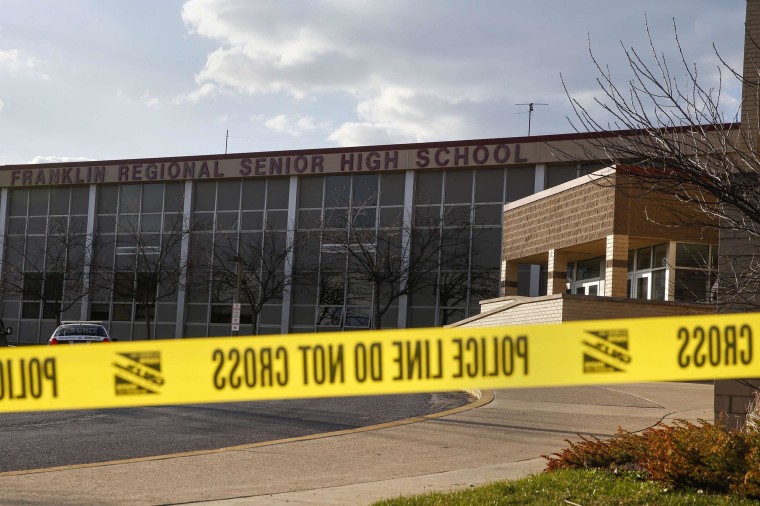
(732, 397)
(750, 115)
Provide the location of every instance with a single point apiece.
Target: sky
(115, 79)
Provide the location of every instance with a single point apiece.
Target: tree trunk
(254, 322)
(376, 316)
(147, 321)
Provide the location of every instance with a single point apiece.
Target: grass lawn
(570, 487)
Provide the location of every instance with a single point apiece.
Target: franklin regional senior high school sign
(266, 164)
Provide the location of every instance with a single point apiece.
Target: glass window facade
(136, 238)
(45, 257)
(135, 227)
(695, 272)
(691, 277)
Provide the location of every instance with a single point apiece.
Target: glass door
(588, 288)
(644, 285)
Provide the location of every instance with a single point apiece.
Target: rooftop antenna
(530, 112)
(227, 137)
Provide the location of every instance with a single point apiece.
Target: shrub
(683, 455)
(752, 423)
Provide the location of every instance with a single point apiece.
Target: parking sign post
(235, 318)
(236, 302)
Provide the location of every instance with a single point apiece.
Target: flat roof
(601, 173)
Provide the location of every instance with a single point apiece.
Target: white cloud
(423, 70)
(150, 100)
(16, 61)
(402, 89)
(194, 96)
(394, 115)
(363, 133)
(405, 115)
(13, 60)
(146, 98)
(284, 124)
(59, 159)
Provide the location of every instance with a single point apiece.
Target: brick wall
(592, 211)
(732, 398)
(491, 304)
(642, 213)
(580, 214)
(528, 311)
(597, 308)
(749, 120)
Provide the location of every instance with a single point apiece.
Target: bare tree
(673, 136)
(455, 288)
(51, 269)
(255, 264)
(149, 266)
(669, 136)
(385, 263)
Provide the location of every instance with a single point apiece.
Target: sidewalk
(503, 439)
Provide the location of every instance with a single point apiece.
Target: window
(644, 259)
(310, 192)
(458, 186)
(364, 190)
(59, 201)
(153, 198)
(489, 185)
(692, 255)
(586, 277)
(588, 168)
(129, 198)
(521, 182)
(38, 202)
(228, 193)
(19, 200)
(691, 275)
(694, 273)
(278, 190)
(691, 285)
(647, 273)
(392, 189)
(428, 188)
(558, 174)
(204, 198)
(589, 269)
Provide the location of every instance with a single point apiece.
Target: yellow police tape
(209, 370)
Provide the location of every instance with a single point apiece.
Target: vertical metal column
(3, 225)
(179, 326)
(670, 272)
(92, 204)
(535, 270)
(290, 238)
(406, 241)
(3, 237)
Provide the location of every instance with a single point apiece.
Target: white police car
(78, 332)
